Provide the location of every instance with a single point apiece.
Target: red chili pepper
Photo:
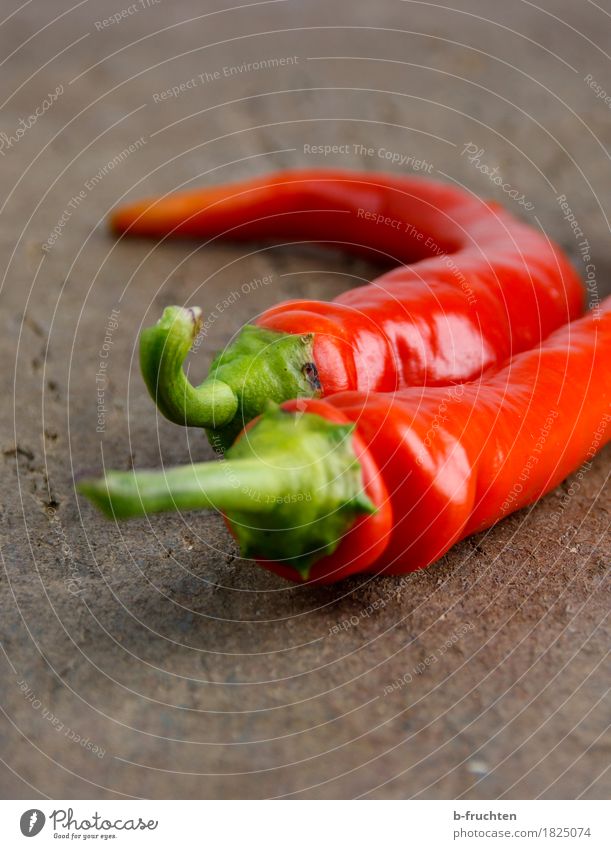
(484, 287)
(389, 482)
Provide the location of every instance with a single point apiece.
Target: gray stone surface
(195, 673)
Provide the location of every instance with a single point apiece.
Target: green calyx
(291, 488)
(259, 366)
(321, 495)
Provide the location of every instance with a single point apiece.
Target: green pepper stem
(258, 366)
(291, 488)
(229, 485)
(163, 350)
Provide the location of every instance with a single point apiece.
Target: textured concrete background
(149, 659)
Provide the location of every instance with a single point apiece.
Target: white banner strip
(307, 824)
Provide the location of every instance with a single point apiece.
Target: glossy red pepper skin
(484, 286)
(455, 461)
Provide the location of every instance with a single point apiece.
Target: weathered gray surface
(195, 672)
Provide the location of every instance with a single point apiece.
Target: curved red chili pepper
(484, 287)
(438, 463)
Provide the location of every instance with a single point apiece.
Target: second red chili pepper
(484, 286)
